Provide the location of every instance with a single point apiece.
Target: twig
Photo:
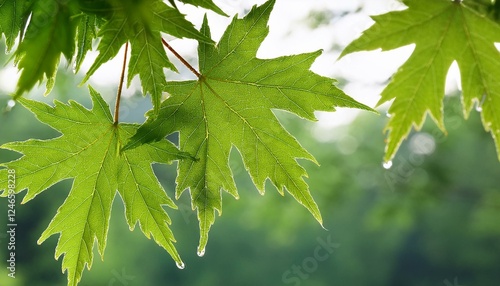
(120, 87)
(190, 67)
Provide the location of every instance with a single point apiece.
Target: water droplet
(11, 103)
(201, 252)
(479, 106)
(180, 265)
(387, 165)
(388, 115)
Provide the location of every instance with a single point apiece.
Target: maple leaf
(141, 23)
(50, 33)
(12, 13)
(443, 31)
(231, 105)
(89, 152)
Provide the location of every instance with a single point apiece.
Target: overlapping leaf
(443, 31)
(55, 28)
(141, 23)
(12, 13)
(231, 105)
(50, 33)
(208, 4)
(89, 152)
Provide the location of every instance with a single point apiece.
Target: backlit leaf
(231, 106)
(141, 24)
(88, 151)
(443, 31)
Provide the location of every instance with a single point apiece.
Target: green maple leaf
(141, 23)
(12, 14)
(231, 105)
(443, 31)
(50, 33)
(89, 152)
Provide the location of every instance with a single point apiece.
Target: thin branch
(190, 67)
(120, 87)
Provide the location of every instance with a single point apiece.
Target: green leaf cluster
(230, 105)
(56, 28)
(141, 23)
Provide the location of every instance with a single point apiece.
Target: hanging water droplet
(180, 265)
(10, 104)
(387, 165)
(479, 106)
(388, 115)
(201, 252)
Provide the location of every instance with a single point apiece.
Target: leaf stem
(190, 67)
(120, 87)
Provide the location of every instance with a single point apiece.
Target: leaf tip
(318, 217)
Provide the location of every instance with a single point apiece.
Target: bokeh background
(430, 219)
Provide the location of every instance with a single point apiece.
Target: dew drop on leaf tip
(387, 165)
(180, 265)
(479, 105)
(201, 252)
